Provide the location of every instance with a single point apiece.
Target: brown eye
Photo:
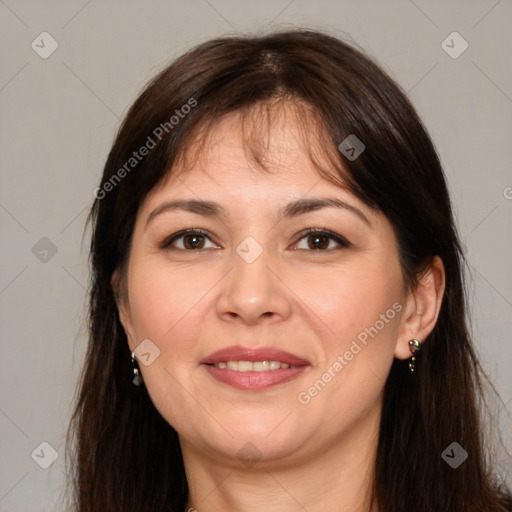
(318, 241)
(188, 240)
(321, 240)
(193, 241)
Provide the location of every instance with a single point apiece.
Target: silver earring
(136, 375)
(414, 346)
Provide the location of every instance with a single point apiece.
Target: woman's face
(267, 333)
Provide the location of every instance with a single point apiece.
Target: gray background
(59, 116)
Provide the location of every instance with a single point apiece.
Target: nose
(252, 293)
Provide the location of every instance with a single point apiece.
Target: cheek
(353, 298)
(161, 300)
(361, 305)
(166, 309)
(363, 317)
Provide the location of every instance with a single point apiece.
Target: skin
(310, 302)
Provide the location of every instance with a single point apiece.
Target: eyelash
(342, 241)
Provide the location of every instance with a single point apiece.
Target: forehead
(273, 142)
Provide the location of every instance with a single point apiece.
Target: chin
(265, 452)
(250, 441)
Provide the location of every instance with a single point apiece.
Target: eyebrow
(293, 209)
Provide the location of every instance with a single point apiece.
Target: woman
(277, 315)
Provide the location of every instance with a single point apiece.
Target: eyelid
(189, 231)
(339, 239)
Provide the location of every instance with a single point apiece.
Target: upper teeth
(250, 366)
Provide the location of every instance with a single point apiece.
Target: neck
(339, 477)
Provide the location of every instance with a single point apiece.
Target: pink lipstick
(254, 368)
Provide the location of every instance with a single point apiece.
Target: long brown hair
(125, 456)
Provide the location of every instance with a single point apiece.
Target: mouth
(253, 366)
(254, 369)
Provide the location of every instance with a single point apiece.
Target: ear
(422, 307)
(123, 306)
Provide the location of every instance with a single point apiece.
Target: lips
(225, 366)
(253, 355)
